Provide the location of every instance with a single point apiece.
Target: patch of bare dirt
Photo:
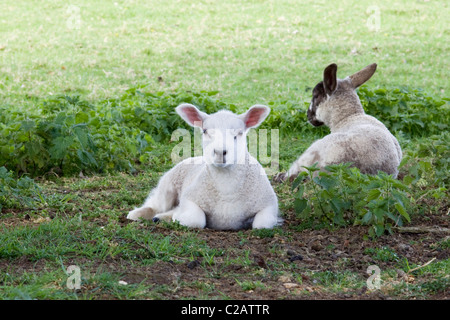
(274, 258)
(275, 263)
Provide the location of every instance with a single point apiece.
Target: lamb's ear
(363, 75)
(191, 114)
(329, 79)
(254, 116)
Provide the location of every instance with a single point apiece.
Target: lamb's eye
(204, 131)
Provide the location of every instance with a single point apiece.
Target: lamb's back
(367, 143)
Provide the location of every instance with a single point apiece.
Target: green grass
(269, 52)
(382, 254)
(252, 52)
(88, 232)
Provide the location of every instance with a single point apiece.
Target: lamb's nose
(219, 152)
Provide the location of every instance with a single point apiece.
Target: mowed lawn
(251, 51)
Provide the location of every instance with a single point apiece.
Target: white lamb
(224, 189)
(355, 136)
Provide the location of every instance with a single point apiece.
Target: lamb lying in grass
(355, 136)
(226, 188)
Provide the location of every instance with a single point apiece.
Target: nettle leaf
(18, 192)
(367, 217)
(298, 180)
(425, 166)
(391, 216)
(61, 147)
(379, 214)
(312, 169)
(341, 205)
(401, 197)
(408, 179)
(84, 137)
(300, 205)
(301, 190)
(379, 230)
(28, 125)
(33, 148)
(82, 117)
(375, 183)
(373, 194)
(86, 158)
(326, 182)
(339, 219)
(401, 209)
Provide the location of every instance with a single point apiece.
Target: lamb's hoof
(155, 219)
(280, 177)
(141, 213)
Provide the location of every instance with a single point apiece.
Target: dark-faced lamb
(355, 136)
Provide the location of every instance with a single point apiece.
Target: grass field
(252, 51)
(120, 55)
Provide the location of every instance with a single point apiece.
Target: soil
(273, 260)
(339, 250)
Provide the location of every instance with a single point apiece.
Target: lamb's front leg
(266, 218)
(291, 174)
(161, 199)
(190, 215)
(165, 216)
(311, 156)
(296, 168)
(145, 213)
